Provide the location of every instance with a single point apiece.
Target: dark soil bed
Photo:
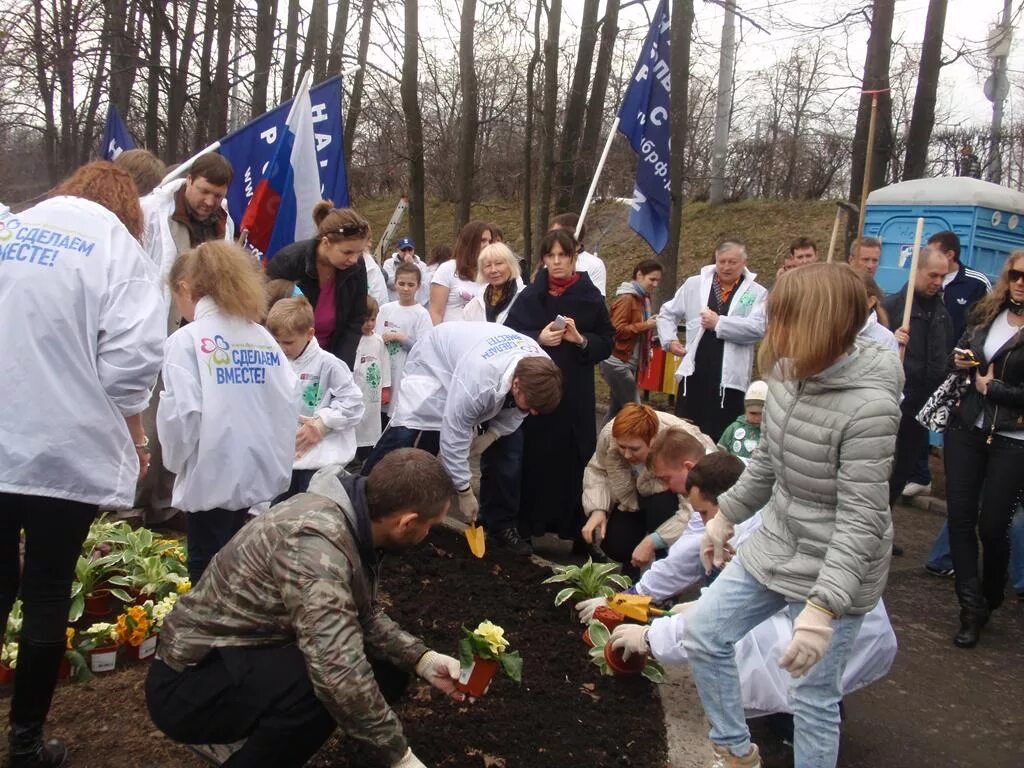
(565, 713)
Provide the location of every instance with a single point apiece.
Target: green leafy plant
(147, 577)
(14, 619)
(599, 636)
(488, 641)
(80, 671)
(98, 635)
(588, 580)
(89, 573)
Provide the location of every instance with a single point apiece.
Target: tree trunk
(314, 54)
(723, 105)
(682, 33)
(263, 55)
(586, 163)
(291, 44)
(153, 78)
(414, 127)
(338, 40)
(218, 116)
(470, 120)
(572, 124)
(922, 119)
(204, 105)
(876, 77)
(531, 76)
(178, 92)
(547, 152)
(123, 52)
(46, 93)
(355, 103)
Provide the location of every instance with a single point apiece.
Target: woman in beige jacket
(627, 507)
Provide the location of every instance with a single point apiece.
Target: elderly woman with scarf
(498, 270)
(634, 327)
(567, 315)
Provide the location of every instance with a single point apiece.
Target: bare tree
(679, 45)
(218, 117)
(356, 100)
(263, 54)
(314, 54)
(414, 126)
(528, 132)
(547, 136)
(469, 123)
(922, 120)
(291, 48)
(338, 39)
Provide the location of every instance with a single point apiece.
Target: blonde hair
(497, 251)
(330, 222)
(814, 315)
(985, 311)
(227, 274)
(289, 316)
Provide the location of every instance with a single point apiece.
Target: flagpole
(597, 175)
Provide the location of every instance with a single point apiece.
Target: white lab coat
(157, 208)
(765, 685)
(741, 328)
(327, 391)
(413, 321)
(876, 331)
(391, 264)
(376, 285)
(595, 268)
(372, 374)
(82, 333)
(228, 413)
(477, 313)
(458, 377)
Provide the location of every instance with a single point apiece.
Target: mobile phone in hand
(558, 323)
(966, 354)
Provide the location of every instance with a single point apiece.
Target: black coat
(558, 445)
(1003, 406)
(297, 262)
(931, 340)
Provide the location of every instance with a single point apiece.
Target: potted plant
(88, 591)
(610, 661)
(609, 618)
(481, 653)
(73, 665)
(588, 580)
(98, 643)
(137, 632)
(8, 661)
(145, 578)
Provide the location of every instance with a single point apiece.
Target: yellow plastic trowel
(475, 539)
(636, 607)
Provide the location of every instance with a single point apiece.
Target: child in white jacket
(402, 324)
(330, 403)
(373, 377)
(227, 415)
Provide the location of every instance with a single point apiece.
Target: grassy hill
(766, 226)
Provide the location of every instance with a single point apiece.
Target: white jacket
(327, 391)
(82, 332)
(741, 328)
(475, 311)
(228, 413)
(595, 268)
(458, 377)
(391, 264)
(157, 208)
(376, 285)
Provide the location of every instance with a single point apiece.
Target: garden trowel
(475, 539)
(637, 607)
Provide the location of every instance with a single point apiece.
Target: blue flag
(644, 118)
(116, 138)
(251, 148)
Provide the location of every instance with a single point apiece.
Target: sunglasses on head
(352, 230)
(1014, 275)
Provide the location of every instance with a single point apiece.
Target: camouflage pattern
(295, 575)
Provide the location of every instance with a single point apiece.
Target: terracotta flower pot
(141, 652)
(97, 603)
(64, 671)
(103, 659)
(606, 616)
(6, 675)
(476, 679)
(632, 666)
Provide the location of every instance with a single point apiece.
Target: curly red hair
(104, 183)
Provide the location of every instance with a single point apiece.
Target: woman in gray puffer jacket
(820, 476)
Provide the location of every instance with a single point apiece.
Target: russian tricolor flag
(281, 208)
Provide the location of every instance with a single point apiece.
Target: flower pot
(143, 651)
(632, 666)
(103, 659)
(476, 679)
(97, 603)
(6, 675)
(64, 671)
(606, 616)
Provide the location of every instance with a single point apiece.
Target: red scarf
(556, 286)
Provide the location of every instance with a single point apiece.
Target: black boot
(38, 664)
(973, 613)
(993, 584)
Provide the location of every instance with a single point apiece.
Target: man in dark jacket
(282, 639)
(926, 346)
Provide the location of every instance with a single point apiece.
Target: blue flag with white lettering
(644, 120)
(251, 148)
(116, 138)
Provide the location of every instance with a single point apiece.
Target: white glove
(468, 505)
(482, 442)
(714, 550)
(682, 607)
(442, 672)
(409, 760)
(812, 632)
(586, 608)
(630, 639)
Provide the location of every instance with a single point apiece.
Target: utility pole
(723, 105)
(997, 87)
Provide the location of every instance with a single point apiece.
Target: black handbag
(934, 415)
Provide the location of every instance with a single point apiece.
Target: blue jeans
(733, 605)
(940, 558)
(1017, 551)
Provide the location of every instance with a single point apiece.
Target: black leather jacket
(1003, 406)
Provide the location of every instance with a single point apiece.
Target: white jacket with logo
(741, 328)
(328, 392)
(82, 332)
(391, 264)
(458, 377)
(228, 413)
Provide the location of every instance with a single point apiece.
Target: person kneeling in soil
(466, 389)
(282, 640)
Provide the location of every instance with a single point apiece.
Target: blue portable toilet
(988, 218)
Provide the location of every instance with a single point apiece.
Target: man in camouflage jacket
(282, 639)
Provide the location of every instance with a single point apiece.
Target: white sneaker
(916, 489)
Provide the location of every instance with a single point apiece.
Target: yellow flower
(184, 587)
(70, 634)
(493, 635)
